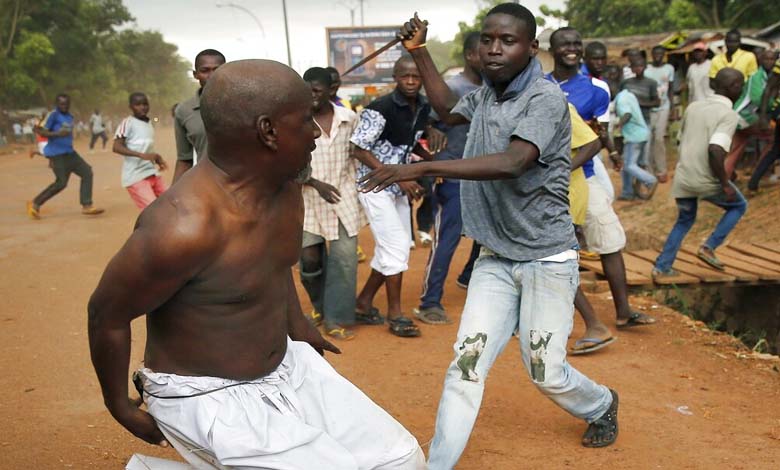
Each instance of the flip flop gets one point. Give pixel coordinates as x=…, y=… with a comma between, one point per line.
x=432, y=316
x=598, y=343
x=371, y=318
x=403, y=327
x=339, y=332
x=315, y=318
x=637, y=319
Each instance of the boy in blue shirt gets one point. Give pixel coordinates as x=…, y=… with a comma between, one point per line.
x=635, y=135
x=64, y=160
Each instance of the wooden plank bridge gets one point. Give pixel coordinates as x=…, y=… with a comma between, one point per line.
x=746, y=263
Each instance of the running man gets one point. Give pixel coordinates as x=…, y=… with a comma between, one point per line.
x=191, y=142
x=515, y=203
x=63, y=160
x=707, y=129
x=97, y=130
x=232, y=377
x=141, y=168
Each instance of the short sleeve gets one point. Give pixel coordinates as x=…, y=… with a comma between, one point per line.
x=670, y=68
x=601, y=105
x=776, y=68
x=370, y=126
x=714, y=67
x=581, y=133
x=122, y=129
x=751, y=67
x=50, y=121
x=542, y=125
x=184, y=149
x=620, y=107
x=653, y=89
x=468, y=104
x=724, y=130
x=353, y=122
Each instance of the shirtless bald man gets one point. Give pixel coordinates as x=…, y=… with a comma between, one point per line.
x=232, y=377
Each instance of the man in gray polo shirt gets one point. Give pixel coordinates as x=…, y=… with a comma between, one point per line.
x=191, y=144
x=516, y=206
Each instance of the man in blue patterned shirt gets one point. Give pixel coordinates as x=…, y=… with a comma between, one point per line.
x=388, y=131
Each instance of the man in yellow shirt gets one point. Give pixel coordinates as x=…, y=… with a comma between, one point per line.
x=734, y=57
x=582, y=139
x=585, y=144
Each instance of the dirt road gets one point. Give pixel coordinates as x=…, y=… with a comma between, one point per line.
x=687, y=399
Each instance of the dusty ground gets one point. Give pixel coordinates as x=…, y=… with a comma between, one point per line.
x=689, y=398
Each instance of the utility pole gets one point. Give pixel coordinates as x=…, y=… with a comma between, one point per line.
x=362, y=22
x=286, y=32
x=247, y=11
x=351, y=9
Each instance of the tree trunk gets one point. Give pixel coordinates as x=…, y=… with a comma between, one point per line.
x=14, y=20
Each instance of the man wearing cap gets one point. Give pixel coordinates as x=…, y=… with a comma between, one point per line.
x=698, y=76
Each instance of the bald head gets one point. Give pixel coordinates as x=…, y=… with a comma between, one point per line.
x=728, y=82
x=258, y=119
x=241, y=92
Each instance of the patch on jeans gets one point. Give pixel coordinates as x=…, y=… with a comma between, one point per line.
x=470, y=350
x=539, y=341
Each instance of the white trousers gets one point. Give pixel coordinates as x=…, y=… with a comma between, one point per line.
x=390, y=219
x=302, y=416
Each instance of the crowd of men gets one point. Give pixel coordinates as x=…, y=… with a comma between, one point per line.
x=512, y=158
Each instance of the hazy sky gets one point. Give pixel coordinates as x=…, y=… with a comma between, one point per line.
x=194, y=25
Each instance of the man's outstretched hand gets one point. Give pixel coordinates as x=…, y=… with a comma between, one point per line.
x=413, y=33
x=386, y=175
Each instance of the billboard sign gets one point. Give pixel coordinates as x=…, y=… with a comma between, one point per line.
x=347, y=46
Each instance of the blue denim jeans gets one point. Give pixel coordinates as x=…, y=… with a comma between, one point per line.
x=631, y=169
x=331, y=288
x=448, y=226
x=537, y=299
x=687, y=208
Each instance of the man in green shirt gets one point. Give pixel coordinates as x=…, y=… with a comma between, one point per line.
x=747, y=106
x=191, y=142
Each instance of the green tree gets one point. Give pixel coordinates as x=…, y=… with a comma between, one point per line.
x=441, y=52
x=625, y=17
x=465, y=28
x=74, y=46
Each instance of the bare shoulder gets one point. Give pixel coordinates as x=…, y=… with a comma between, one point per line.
x=181, y=227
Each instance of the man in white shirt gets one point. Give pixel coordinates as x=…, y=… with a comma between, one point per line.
x=707, y=130
x=698, y=78
x=663, y=73
x=97, y=129
x=17, y=132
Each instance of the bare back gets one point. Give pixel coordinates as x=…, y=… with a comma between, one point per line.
x=228, y=318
